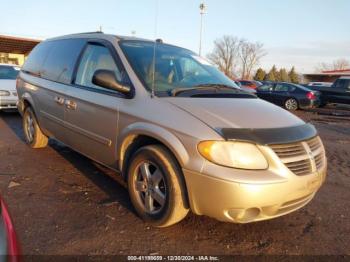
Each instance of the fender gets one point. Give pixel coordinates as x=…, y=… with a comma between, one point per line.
x=28, y=98
x=163, y=135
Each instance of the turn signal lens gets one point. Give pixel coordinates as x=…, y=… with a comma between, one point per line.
x=233, y=154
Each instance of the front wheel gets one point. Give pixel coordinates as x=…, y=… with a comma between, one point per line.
x=291, y=104
x=32, y=132
x=156, y=187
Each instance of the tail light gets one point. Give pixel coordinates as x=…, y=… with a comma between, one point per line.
x=311, y=96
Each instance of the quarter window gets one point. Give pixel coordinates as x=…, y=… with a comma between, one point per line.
x=36, y=58
x=95, y=57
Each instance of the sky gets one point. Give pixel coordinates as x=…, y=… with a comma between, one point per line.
x=302, y=33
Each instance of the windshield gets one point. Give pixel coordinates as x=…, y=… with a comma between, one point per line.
x=174, y=67
x=8, y=72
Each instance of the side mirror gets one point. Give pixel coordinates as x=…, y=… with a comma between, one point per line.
x=107, y=79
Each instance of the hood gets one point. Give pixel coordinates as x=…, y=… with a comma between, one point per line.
x=236, y=112
x=8, y=85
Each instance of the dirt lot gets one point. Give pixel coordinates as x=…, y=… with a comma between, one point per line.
x=62, y=203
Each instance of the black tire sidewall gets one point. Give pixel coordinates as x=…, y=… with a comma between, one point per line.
x=147, y=153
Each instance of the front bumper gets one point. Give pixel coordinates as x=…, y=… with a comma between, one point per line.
x=249, y=202
x=8, y=103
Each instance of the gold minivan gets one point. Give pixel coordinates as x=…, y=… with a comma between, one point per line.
x=182, y=134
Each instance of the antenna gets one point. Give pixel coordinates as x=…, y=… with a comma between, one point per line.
x=203, y=9
x=154, y=49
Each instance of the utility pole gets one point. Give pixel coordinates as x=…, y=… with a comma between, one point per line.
x=203, y=9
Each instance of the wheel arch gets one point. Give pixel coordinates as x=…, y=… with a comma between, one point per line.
x=145, y=134
x=139, y=135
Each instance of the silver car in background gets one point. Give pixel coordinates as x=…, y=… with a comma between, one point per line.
x=8, y=93
x=182, y=135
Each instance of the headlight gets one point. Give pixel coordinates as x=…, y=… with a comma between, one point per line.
x=233, y=154
x=4, y=93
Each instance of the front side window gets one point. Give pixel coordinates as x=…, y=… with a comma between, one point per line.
x=8, y=72
x=167, y=67
x=266, y=87
x=95, y=57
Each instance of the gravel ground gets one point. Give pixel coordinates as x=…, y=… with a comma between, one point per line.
x=63, y=203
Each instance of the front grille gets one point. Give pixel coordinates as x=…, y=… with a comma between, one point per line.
x=302, y=158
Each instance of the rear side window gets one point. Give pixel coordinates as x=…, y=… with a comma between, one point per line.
x=8, y=72
x=281, y=88
x=60, y=61
x=34, y=63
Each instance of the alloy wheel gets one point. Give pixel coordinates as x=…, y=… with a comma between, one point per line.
x=150, y=187
x=291, y=104
x=29, y=127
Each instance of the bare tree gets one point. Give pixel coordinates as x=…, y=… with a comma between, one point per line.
x=225, y=54
x=339, y=64
x=250, y=55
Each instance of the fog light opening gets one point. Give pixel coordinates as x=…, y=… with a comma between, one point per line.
x=244, y=215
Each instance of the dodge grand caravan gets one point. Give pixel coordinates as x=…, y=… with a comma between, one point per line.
x=182, y=135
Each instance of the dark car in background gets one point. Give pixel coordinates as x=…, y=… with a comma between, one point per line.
x=290, y=96
x=338, y=93
x=249, y=83
x=9, y=248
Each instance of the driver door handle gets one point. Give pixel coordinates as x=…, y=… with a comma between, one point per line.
x=59, y=100
x=71, y=104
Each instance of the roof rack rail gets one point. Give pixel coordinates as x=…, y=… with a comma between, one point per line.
x=93, y=32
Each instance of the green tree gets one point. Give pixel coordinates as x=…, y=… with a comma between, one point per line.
x=293, y=76
x=260, y=74
x=284, y=75
x=271, y=76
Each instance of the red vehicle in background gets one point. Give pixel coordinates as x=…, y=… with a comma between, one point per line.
x=250, y=83
x=9, y=248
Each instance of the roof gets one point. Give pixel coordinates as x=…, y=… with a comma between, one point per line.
x=98, y=35
x=17, y=45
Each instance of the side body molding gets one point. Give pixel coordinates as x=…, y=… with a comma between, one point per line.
x=129, y=133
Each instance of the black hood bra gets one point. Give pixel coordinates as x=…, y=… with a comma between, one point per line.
x=265, y=136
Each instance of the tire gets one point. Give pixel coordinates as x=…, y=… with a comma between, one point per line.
x=32, y=133
x=154, y=177
x=291, y=104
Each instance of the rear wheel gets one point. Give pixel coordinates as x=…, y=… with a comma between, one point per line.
x=291, y=104
x=32, y=132
x=155, y=186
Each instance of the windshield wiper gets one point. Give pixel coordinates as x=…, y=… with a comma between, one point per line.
x=216, y=87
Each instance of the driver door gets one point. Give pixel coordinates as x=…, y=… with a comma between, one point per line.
x=92, y=111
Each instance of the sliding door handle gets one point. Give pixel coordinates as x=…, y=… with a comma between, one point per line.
x=71, y=104
x=59, y=100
